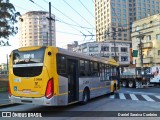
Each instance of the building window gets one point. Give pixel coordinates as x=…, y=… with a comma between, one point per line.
x=124, y=58
x=119, y=34
x=124, y=15
x=93, y=49
x=124, y=10
x=158, y=52
x=118, y=10
x=124, y=49
x=158, y=37
x=104, y=48
x=149, y=37
x=125, y=35
x=113, y=49
x=144, y=9
x=137, y=28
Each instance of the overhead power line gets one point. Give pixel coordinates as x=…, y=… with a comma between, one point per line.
x=65, y=15
x=77, y=13
x=54, y=19
x=86, y=8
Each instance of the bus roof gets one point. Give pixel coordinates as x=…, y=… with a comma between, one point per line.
x=110, y=61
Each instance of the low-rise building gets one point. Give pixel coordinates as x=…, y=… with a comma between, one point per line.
x=146, y=41
x=107, y=49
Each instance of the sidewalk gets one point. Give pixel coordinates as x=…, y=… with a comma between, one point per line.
x=4, y=100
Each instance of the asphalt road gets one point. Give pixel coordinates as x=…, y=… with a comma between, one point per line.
x=126, y=100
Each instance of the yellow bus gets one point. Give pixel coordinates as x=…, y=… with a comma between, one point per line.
x=54, y=76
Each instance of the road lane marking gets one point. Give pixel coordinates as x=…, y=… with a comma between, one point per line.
x=133, y=97
x=147, y=98
x=157, y=97
x=121, y=96
x=111, y=96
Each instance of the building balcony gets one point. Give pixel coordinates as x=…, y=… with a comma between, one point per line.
x=147, y=45
x=147, y=60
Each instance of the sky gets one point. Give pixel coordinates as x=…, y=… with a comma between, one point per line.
x=78, y=16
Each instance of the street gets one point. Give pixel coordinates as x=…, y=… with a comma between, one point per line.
x=127, y=99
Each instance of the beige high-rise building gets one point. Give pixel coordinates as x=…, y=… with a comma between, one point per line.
x=34, y=29
x=118, y=15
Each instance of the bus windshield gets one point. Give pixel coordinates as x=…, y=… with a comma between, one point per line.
x=27, y=57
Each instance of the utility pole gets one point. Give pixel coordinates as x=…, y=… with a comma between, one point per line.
x=50, y=25
x=47, y=38
x=115, y=46
x=141, y=36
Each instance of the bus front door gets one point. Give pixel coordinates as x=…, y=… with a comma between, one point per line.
x=72, y=68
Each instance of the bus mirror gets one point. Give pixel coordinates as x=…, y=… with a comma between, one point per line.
x=49, y=53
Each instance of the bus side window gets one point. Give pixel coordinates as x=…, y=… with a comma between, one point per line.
x=91, y=68
x=87, y=70
x=82, y=68
x=95, y=69
x=61, y=65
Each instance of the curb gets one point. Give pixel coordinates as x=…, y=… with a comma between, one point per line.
x=7, y=105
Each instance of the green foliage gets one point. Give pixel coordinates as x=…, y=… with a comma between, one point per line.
x=8, y=17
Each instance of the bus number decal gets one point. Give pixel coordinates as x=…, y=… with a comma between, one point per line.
x=37, y=79
x=36, y=85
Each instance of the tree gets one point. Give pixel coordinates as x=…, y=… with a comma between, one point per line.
x=8, y=17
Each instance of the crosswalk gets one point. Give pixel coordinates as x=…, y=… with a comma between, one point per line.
x=140, y=97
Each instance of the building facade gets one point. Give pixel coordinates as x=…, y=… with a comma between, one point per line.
x=146, y=40
x=71, y=47
x=34, y=29
x=107, y=50
x=118, y=15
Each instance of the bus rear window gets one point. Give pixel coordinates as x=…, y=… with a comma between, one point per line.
x=27, y=57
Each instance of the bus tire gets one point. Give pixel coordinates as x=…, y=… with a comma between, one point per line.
x=124, y=83
x=131, y=84
x=85, y=97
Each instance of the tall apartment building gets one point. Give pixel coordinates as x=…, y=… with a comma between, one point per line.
x=34, y=29
x=118, y=15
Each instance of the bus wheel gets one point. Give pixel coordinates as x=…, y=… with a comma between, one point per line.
x=85, y=96
x=124, y=83
x=131, y=83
